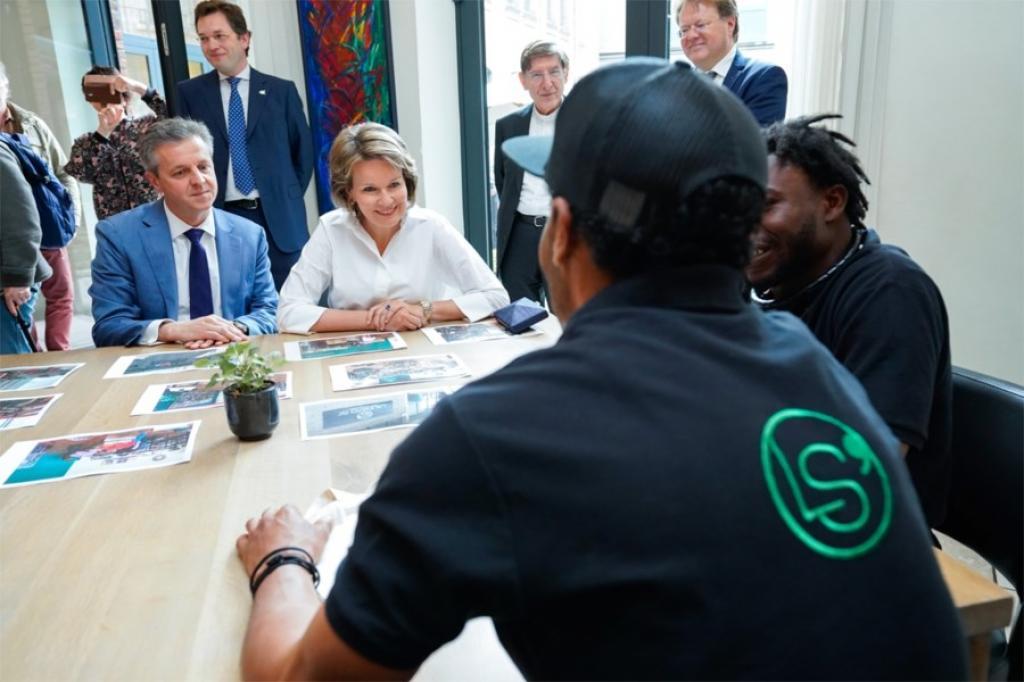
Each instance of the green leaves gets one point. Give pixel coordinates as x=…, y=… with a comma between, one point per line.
x=241, y=368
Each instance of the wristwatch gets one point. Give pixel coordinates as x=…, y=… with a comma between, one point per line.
x=428, y=310
x=242, y=327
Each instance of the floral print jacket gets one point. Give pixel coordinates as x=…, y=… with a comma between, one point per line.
x=113, y=166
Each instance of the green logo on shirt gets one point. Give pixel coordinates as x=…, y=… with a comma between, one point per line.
x=826, y=482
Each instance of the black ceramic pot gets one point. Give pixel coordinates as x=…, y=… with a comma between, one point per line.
x=252, y=416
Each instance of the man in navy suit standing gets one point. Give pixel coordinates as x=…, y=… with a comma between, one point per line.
x=524, y=198
x=708, y=31
x=262, y=150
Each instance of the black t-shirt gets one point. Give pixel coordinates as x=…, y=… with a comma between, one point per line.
x=682, y=487
x=884, y=319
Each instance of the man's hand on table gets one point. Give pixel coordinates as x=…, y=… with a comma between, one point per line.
x=284, y=527
x=201, y=332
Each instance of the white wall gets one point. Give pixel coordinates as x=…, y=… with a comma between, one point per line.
x=941, y=129
x=427, y=100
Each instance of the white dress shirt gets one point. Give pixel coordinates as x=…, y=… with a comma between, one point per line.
x=427, y=259
x=182, y=248
x=231, y=192
x=721, y=69
x=534, y=197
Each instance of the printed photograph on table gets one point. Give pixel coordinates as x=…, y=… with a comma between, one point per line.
x=88, y=454
x=340, y=346
x=465, y=333
x=19, y=413
x=329, y=418
x=390, y=371
x=158, y=363
x=195, y=395
x=35, y=378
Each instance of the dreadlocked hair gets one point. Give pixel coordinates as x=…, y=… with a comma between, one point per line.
x=818, y=152
x=712, y=226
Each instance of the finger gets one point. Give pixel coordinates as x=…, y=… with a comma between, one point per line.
x=241, y=543
x=250, y=525
x=324, y=525
x=12, y=307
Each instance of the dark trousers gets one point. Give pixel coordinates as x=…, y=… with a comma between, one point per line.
x=520, y=271
x=281, y=262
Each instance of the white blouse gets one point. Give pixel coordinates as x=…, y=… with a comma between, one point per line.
x=427, y=259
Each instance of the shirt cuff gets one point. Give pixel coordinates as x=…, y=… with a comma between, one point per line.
x=474, y=306
x=298, y=319
x=149, y=337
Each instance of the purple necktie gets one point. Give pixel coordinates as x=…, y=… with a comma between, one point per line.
x=199, y=293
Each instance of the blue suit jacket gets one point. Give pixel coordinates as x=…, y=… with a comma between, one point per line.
x=133, y=279
x=761, y=86
x=279, y=143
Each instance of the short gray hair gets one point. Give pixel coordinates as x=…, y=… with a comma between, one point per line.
x=542, y=48
x=170, y=130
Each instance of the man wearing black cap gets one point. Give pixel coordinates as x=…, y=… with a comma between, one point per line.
x=682, y=487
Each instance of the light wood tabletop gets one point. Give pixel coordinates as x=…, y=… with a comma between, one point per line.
x=134, y=576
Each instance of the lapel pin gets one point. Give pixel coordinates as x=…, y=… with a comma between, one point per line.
x=263, y=92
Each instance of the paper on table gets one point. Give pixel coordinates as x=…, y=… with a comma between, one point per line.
x=18, y=413
x=445, y=334
x=343, y=509
x=159, y=363
x=408, y=369
x=36, y=377
x=339, y=346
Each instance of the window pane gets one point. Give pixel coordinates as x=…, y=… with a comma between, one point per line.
x=135, y=35
x=137, y=67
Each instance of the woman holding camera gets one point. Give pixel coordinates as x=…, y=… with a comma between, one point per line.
x=107, y=158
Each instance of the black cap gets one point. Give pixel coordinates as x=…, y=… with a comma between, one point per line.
x=642, y=129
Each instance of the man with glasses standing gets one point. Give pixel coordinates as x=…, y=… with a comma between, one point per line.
x=263, y=149
x=524, y=198
x=708, y=32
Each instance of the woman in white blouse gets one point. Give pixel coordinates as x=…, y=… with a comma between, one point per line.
x=385, y=263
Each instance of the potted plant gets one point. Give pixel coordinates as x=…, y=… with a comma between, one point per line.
x=250, y=397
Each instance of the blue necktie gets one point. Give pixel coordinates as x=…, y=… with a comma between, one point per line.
x=199, y=293
x=236, y=141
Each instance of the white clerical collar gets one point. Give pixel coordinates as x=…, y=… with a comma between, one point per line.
x=243, y=74
x=721, y=69
x=179, y=227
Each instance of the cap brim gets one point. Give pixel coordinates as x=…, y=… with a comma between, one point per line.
x=529, y=152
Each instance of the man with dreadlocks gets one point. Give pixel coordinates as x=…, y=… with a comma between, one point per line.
x=878, y=312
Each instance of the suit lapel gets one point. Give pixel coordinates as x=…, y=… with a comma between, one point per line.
x=228, y=242
x=738, y=64
x=211, y=92
x=156, y=242
x=257, y=100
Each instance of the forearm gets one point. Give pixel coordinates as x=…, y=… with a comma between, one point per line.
x=281, y=613
x=342, y=321
x=446, y=311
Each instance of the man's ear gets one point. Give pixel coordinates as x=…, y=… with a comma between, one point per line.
x=835, y=198
x=154, y=180
x=563, y=239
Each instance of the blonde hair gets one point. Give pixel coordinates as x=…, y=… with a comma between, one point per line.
x=364, y=142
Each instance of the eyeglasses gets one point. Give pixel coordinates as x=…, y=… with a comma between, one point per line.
x=700, y=27
x=555, y=74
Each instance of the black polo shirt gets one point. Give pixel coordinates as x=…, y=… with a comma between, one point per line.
x=682, y=487
x=883, y=317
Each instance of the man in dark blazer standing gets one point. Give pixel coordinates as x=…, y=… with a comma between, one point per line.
x=524, y=198
x=708, y=31
x=263, y=149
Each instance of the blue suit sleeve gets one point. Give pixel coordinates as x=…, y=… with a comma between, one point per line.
x=766, y=99
x=300, y=138
x=115, y=306
x=261, y=317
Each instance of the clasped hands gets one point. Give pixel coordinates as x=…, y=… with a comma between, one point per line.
x=396, y=316
x=202, y=332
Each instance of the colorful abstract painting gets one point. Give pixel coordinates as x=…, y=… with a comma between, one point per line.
x=348, y=73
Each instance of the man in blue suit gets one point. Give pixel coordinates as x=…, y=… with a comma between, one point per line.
x=262, y=150
x=178, y=270
x=708, y=31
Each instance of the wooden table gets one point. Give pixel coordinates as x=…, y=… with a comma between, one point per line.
x=134, y=576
